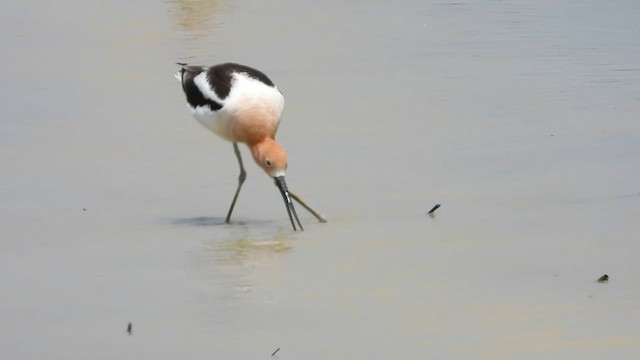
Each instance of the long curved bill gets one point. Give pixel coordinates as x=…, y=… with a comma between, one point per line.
x=282, y=186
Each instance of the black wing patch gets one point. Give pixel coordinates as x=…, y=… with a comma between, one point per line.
x=195, y=97
x=220, y=77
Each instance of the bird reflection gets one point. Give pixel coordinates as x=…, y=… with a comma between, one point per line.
x=256, y=253
x=194, y=16
x=243, y=260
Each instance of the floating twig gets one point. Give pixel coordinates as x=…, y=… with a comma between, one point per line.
x=275, y=352
x=318, y=216
x=430, y=213
x=129, y=329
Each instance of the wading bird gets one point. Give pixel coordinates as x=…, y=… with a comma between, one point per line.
x=242, y=105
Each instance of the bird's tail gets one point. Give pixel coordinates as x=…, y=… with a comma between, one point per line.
x=180, y=73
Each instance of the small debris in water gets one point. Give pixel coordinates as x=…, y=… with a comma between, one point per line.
x=275, y=352
x=604, y=279
x=84, y=209
x=129, y=329
x=430, y=213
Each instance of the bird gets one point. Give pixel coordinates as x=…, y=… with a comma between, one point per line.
x=242, y=105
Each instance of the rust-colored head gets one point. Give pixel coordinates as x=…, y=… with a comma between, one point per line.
x=270, y=156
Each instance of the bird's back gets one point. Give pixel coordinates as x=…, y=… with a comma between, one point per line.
x=237, y=102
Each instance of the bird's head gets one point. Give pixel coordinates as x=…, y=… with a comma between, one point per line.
x=270, y=156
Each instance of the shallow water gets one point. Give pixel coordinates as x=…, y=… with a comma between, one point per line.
x=520, y=118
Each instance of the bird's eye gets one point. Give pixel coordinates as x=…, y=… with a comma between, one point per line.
x=267, y=162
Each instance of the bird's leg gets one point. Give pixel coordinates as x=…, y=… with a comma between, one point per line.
x=241, y=179
x=318, y=216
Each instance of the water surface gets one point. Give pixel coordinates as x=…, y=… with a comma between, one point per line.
x=520, y=118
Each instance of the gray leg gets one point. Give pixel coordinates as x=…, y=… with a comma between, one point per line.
x=241, y=179
x=318, y=216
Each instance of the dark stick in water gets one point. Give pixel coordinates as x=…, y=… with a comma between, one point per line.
x=434, y=209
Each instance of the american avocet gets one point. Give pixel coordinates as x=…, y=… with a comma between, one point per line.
x=242, y=105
